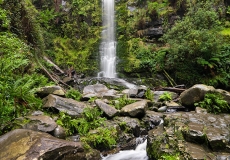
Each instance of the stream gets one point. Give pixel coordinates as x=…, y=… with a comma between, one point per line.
x=138, y=154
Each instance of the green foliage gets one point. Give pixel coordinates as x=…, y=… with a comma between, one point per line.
x=23, y=23
x=195, y=41
x=102, y=138
x=74, y=94
x=149, y=95
x=160, y=8
x=46, y=17
x=4, y=20
x=65, y=121
x=166, y=96
x=214, y=103
x=170, y=157
x=17, y=85
x=91, y=120
x=122, y=101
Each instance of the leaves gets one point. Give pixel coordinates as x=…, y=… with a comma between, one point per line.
x=214, y=103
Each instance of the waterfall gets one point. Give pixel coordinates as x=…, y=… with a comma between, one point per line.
x=108, y=44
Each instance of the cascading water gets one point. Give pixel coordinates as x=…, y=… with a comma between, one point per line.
x=138, y=154
x=108, y=44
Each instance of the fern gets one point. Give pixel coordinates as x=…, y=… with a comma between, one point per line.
x=74, y=94
x=214, y=103
x=166, y=96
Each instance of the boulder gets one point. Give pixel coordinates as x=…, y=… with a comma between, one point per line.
x=40, y=123
x=108, y=110
x=152, y=119
x=26, y=144
x=194, y=94
x=59, y=132
x=55, y=90
x=69, y=106
x=131, y=125
x=136, y=109
x=98, y=90
x=225, y=94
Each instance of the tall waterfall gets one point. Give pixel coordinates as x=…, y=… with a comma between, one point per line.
x=108, y=44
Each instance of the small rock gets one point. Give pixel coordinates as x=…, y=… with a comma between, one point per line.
x=162, y=109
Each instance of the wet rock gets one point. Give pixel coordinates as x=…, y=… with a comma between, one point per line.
x=40, y=123
x=74, y=138
x=136, y=109
x=113, y=83
x=194, y=94
x=36, y=113
x=152, y=119
x=225, y=94
x=194, y=132
x=108, y=110
x=59, y=132
x=195, y=151
x=131, y=125
x=201, y=110
x=162, y=109
x=69, y=106
x=131, y=144
x=217, y=139
x=133, y=92
x=55, y=90
x=29, y=145
x=98, y=90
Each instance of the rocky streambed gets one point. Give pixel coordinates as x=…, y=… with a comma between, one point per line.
x=174, y=128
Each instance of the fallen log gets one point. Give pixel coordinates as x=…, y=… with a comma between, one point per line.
x=54, y=65
x=173, y=89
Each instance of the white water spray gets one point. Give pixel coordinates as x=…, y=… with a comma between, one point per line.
x=108, y=45
x=138, y=154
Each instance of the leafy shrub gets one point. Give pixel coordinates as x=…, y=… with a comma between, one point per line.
x=170, y=157
x=122, y=101
x=91, y=120
x=74, y=94
x=195, y=41
x=17, y=86
x=166, y=96
x=149, y=95
x=102, y=138
x=214, y=103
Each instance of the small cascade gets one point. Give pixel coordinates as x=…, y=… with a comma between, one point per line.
x=138, y=154
x=108, y=44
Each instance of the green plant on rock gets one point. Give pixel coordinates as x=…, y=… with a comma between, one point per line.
x=214, y=103
x=149, y=95
x=166, y=96
x=170, y=157
x=101, y=138
x=90, y=128
x=74, y=94
x=91, y=119
x=122, y=101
